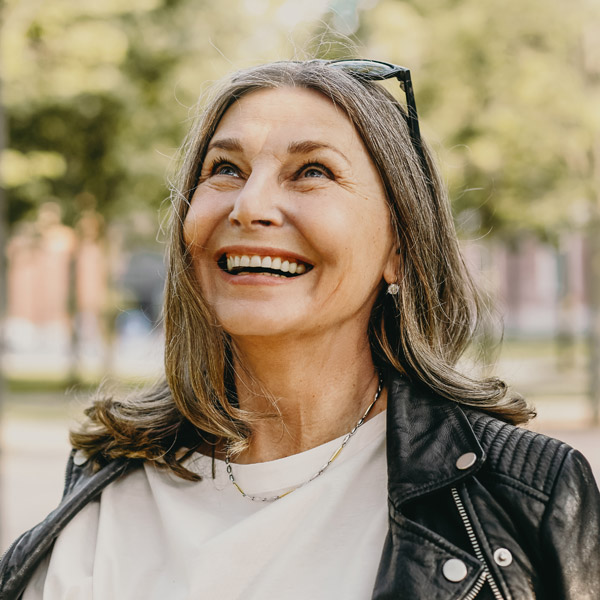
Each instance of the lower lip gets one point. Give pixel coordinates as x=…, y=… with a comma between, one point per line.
x=256, y=279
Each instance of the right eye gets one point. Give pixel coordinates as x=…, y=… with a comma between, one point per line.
x=221, y=167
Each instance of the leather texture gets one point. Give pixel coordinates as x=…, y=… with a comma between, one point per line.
x=525, y=492
x=524, y=496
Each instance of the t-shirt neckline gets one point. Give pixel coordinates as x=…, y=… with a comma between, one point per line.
x=290, y=471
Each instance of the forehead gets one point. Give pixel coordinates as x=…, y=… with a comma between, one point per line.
x=297, y=112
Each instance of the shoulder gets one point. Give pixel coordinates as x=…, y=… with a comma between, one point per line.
x=548, y=489
x=532, y=461
x=82, y=474
x=423, y=426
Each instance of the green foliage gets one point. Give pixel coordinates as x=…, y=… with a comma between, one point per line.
x=98, y=95
x=501, y=88
x=80, y=130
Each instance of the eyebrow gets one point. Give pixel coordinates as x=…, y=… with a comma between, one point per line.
x=307, y=146
x=302, y=147
x=231, y=144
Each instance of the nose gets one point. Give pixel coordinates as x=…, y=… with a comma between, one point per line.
x=257, y=203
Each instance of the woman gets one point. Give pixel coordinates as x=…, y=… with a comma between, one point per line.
x=313, y=438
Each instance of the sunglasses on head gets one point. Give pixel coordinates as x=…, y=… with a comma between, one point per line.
x=375, y=70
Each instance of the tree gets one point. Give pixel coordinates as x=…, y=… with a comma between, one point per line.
x=511, y=91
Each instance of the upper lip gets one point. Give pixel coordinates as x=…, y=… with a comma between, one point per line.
x=250, y=251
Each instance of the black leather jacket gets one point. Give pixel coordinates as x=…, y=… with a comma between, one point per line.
x=477, y=509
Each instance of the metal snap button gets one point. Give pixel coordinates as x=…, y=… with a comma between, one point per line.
x=466, y=460
x=503, y=557
x=454, y=570
x=79, y=458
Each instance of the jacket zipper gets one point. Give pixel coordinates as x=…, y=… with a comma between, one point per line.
x=477, y=587
x=478, y=553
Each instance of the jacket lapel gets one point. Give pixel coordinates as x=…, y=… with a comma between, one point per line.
x=426, y=437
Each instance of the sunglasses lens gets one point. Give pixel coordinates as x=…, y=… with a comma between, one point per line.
x=369, y=70
x=364, y=68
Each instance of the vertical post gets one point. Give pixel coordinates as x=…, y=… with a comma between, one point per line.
x=590, y=68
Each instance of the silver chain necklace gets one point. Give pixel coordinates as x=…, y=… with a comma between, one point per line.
x=319, y=472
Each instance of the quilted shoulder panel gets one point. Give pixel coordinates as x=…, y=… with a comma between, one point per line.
x=531, y=458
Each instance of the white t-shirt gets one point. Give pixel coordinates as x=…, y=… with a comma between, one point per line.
x=154, y=536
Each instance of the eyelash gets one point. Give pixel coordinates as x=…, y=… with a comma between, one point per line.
x=315, y=165
x=221, y=161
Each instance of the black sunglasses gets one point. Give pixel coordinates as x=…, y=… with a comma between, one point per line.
x=375, y=70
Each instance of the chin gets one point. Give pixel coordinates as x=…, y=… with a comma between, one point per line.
x=257, y=324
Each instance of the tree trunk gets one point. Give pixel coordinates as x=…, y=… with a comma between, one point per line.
x=590, y=57
x=594, y=287
x=565, y=332
x=594, y=336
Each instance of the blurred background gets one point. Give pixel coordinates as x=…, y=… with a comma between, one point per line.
x=98, y=94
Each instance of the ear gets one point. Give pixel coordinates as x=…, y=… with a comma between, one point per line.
x=393, y=266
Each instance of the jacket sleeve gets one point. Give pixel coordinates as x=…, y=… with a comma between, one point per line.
x=570, y=532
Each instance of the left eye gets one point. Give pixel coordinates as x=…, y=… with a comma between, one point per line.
x=315, y=170
x=312, y=172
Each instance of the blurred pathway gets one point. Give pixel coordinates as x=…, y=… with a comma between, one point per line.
x=34, y=454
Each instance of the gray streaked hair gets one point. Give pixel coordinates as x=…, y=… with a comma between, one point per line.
x=421, y=332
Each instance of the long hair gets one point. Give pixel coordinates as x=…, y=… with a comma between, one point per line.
x=421, y=332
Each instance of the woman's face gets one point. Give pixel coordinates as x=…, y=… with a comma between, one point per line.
x=288, y=228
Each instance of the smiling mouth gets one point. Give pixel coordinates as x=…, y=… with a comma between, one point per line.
x=243, y=264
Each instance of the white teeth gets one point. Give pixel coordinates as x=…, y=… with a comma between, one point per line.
x=266, y=262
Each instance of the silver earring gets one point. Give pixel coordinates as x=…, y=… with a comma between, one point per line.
x=393, y=289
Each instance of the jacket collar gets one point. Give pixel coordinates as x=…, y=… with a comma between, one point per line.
x=426, y=436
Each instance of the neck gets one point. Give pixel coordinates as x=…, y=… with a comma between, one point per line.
x=317, y=388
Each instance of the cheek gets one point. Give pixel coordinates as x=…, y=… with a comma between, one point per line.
x=358, y=233
x=327, y=232
x=195, y=237
x=368, y=248
x=189, y=232
x=197, y=226
x=192, y=222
